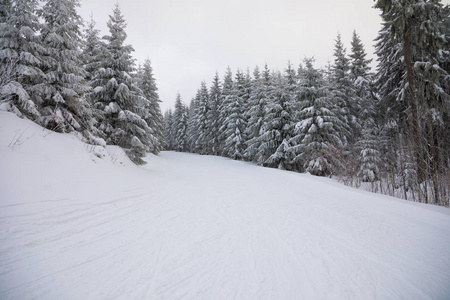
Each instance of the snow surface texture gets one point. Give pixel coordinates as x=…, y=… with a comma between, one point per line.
x=79, y=222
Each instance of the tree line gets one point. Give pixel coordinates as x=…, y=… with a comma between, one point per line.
x=388, y=130
x=65, y=77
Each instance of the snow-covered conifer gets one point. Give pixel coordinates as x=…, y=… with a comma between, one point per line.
x=235, y=121
x=20, y=58
x=64, y=106
x=203, y=143
x=180, y=125
x=117, y=95
x=215, y=98
x=317, y=134
x=153, y=115
x=257, y=112
x=278, y=126
x=227, y=94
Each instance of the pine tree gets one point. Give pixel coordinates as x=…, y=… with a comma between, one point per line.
x=64, y=106
x=20, y=58
x=117, y=95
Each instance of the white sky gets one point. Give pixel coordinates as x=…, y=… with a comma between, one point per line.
x=189, y=40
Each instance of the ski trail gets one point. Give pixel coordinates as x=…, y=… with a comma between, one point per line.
x=199, y=227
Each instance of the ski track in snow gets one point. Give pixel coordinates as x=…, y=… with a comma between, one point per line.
x=200, y=227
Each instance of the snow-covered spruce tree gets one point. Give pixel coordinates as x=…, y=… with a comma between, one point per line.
x=20, y=64
x=192, y=132
x=369, y=155
x=202, y=143
x=180, y=123
x=235, y=121
x=153, y=116
x=317, y=134
x=169, y=139
x=258, y=100
x=64, y=106
x=282, y=115
x=414, y=40
x=255, y=115
x=344, y=94
x=276, y=130
x=367, y=146
x=226, y=98
x=215, y=98
x=93, y=49
x=118, y=96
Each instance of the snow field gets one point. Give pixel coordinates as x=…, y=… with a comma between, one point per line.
x=82, y=222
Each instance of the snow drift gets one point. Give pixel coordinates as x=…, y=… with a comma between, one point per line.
x=82, y=222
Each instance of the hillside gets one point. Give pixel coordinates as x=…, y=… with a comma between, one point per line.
x=83, y=222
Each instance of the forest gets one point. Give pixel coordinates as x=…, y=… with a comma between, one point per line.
x=385, y=129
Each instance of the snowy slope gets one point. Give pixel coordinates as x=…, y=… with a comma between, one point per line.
x=79, y=222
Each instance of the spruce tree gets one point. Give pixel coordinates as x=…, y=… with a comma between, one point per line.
x=20, y=58
x=257, y=114
x=203, y=143
x=344, y=94
x=226, y=99
x=64, y=106
x=153, y=115
x=317, y=136
x=215, y=98
x=169, y=139
x=413, y=86
x=235, y=121
x=118, y=96
x=180, y=123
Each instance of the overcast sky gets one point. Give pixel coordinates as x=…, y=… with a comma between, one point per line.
x=189, y=40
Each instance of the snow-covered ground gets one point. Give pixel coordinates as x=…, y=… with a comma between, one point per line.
x=81, y=222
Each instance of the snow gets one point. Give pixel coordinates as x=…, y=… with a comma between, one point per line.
x=82, y=222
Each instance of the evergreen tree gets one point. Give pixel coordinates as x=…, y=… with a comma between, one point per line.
x=259, y=97
x=117, y=95
x=64, y=106
x=203, y=143
x=215, y=97
x=317, y=136
x=20, y=58
x=285, y=96
x=343, y=93
x=359, y=65
x=169, y=139
x=180, y=121
x=226, y=99
x=413, y=86
x=192, y=132
x=93, y=49
x=235, y=122
x=153, y=115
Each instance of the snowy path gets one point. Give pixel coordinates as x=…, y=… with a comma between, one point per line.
x=198, y=227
